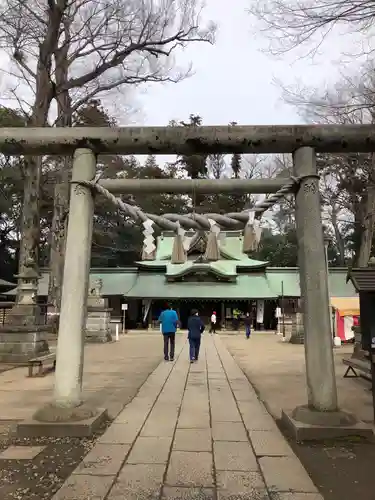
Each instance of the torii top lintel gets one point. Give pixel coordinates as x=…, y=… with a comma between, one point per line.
x=188, y=140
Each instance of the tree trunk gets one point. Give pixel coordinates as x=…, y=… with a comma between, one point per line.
x=58, y=236
x=340, y=245
x=62, y=188
x=368, y=228
x=30, y=225
x=44, y=93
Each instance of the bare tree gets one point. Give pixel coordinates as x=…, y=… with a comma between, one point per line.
x=216, y=166
x=347, y=180
x=292, y=23
x=71, y=51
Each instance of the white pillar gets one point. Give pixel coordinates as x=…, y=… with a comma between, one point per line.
x=70, y=343
x=320, y=369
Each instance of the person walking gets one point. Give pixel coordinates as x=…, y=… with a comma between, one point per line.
x=247, y=322
x=213, y=322
x=168, y=322
x=195, y=330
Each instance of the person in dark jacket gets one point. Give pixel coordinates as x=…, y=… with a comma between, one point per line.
x=247, y=322
x=195, y=330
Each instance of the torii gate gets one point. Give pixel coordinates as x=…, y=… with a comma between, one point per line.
x=86, y=143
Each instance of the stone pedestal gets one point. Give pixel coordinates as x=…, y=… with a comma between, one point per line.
x=98, y=328
x=18, y=344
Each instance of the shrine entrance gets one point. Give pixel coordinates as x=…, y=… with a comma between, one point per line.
x=86, y=143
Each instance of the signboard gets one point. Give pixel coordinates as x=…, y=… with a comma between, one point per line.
x=260, y=311
x=124, y=307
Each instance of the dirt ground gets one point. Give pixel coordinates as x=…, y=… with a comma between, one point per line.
x=342, y=470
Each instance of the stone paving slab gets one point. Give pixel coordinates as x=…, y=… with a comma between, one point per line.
x=188, y=493
x=240, y=485
x=138, y=482
x=190, y=468
x=103, y=460
x=192, y=440
x=269, y=443
x=150, y=450
x=79, y=487
x=286, y=474
x=194, y=431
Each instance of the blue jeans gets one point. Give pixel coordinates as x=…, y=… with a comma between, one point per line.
x=194, y=348
x=248, y=331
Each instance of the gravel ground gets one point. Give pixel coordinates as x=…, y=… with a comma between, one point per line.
x=342, y=470
x=42, y=476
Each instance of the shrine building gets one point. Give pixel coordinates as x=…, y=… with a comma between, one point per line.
x=231, y=285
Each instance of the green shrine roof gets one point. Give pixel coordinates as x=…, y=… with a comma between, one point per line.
x=131, y=283
x=233, y=276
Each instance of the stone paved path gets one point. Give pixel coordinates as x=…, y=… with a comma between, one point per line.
x=192, y=432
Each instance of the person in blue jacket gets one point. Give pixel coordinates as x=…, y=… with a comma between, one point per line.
x=195, y=330
x=168, y=320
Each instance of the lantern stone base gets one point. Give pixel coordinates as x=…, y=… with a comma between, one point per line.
x=20, y=343
x=298, y=334
x=305, y=424
x=98, y=326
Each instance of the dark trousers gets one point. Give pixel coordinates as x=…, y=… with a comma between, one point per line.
x=194, y=348
x=169, y=343
x=248, y=331
x=213, y=327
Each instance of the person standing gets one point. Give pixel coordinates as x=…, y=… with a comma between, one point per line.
x=195, y=330
x=213, y=322
x=169, y=321
x=247, y=322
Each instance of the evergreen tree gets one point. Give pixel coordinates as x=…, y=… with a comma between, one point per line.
x=235, y=164
x=194, y=165
x=151, y=164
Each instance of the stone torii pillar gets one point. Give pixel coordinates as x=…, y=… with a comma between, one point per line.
x=67, y=410
x=320, y=418
x=70, y=343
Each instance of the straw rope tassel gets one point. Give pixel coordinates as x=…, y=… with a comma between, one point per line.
x=212, y=247
x=250, y=243
x=178, y=250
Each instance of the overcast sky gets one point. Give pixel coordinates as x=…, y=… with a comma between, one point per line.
x=234, y=80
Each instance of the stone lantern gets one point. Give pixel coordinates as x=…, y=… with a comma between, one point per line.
x=24, y=336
